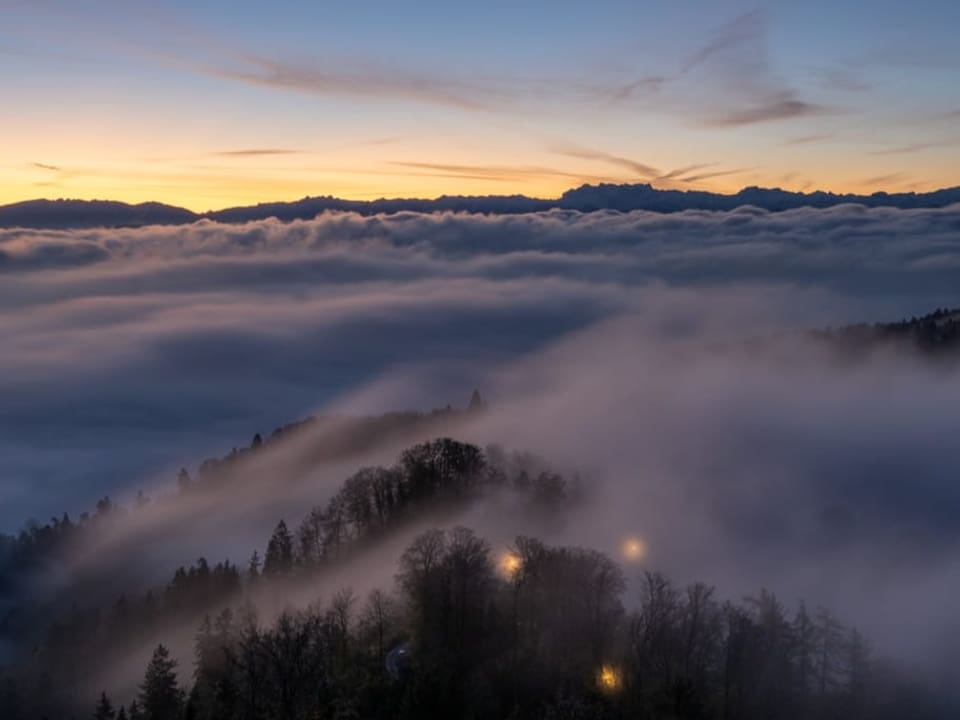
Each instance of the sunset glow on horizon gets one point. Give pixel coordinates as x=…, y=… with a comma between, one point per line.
x=479, y=359
x=219, y=104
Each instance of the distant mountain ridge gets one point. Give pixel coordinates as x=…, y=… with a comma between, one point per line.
x=91, y=213
x=586, y=198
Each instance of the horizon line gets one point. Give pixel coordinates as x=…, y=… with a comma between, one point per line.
x=491, y=196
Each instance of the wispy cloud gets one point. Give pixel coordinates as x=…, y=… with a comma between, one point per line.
x=685, y=174
x=888, y=179
x=743, y=30
x=910, y=148
x=681, y=171
x=576, y=151
x=844, y=78
x=735, y=68
x=44, y=166
x=727, y=81
x=382, y=82
x=707, y=176
x=254, y=152
x=651, y=84
x=493, y=172
x=784, y=108
x=809, y=139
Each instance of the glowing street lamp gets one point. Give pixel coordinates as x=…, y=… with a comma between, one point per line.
x=633, y=549
x=510, y=564
x=609, y=678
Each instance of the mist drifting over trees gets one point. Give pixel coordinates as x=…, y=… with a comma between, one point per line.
x=699, y=478
x=479, y=360
x=461, y=629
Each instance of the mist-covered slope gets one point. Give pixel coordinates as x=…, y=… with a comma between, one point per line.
x=379, y=603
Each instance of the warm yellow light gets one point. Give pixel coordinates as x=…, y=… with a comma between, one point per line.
x=633, y=549
x=609, y=678
x=510, y=564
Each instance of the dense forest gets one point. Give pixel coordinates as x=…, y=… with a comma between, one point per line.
x=463, y=628
x=531, y=631
x=540, y=633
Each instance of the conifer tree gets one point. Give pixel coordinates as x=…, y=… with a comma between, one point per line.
x=135, y=712
x=279, y=557
x=253, y=567
x=160, y=697
x=104, y=709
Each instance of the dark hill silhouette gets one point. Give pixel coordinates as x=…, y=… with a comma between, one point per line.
x=91, y=213
x=646, y=197
x=586, y=198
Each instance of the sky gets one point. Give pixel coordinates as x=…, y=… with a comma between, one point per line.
x=212, y=104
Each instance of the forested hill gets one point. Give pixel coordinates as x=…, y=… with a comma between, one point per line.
x=586, y=198
x=936, y=334
x=457, y=628
x=534, y=632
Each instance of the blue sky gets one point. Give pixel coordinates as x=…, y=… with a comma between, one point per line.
x=135, y=101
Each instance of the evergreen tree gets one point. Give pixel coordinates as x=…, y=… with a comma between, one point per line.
x=135, y=712
x=477, y=403
x=253, y=567
x=159, y=695
x=104, y=709
x=279, y=557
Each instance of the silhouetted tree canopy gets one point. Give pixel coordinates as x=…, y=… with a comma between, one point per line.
x=467, y=630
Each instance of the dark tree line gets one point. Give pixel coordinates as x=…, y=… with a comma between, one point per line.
x=935, y=334
x=39, y=545
x=533, y=632
x=542, y=632
x=374, y=500
x=440, y=474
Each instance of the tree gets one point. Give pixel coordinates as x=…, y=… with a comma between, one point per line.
x=310, y=538
x=805, y=649
x=335, y=530
x=469, y=574
x=377, y=620
x=135, y=712
x=160, y=697
x=253, y=567
x=830, y=636
x=279, y=557
x=104, y=709
x=856, y=671
x=773, y=646
x=105, y=506
x=477, y=403
x=357, y=493
x=339, y=617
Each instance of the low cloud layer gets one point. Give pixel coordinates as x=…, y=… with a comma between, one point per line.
x=131, y=351
x=620, y=344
